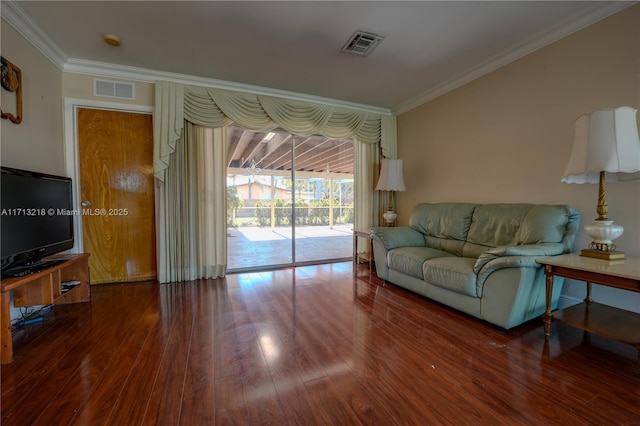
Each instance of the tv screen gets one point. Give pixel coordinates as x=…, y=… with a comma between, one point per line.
x=36, y=216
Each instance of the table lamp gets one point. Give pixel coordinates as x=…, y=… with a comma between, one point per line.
x=606, y=146
x=390, y=180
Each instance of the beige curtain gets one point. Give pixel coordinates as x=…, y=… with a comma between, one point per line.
x=367, y=158
x=177, y=104
x=191, y=207
x=216, y=108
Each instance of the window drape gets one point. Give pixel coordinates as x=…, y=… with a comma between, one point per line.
x=191, y=212
x=211, y=107
x=367, y=200
x=215, y=108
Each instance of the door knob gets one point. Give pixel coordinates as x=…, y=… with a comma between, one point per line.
x=86, y=203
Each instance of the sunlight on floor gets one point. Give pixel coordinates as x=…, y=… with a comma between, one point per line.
x=250, y=247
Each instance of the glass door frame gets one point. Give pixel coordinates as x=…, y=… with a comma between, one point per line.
x=294, y=260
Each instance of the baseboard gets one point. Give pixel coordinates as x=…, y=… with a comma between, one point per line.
x=566, y=301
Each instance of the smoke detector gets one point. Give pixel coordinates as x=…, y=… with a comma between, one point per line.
x=362, y=43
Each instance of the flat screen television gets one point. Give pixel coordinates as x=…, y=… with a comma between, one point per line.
x=36, y=218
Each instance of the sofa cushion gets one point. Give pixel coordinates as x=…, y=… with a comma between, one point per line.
x=444, y=225
x=452, y=273
x=496, y=224
x=501, y=225
x=400, y=236
x=544, y=224
x=409, y=260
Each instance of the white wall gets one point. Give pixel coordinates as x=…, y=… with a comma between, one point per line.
x=507, y=136
x=36, y=143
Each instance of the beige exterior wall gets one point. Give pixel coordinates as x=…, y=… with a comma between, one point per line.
x=36, y=143
x=507, y=137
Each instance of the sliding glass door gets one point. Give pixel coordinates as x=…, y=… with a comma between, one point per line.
x=324, y=202
x=259, y=215
x=289, y=199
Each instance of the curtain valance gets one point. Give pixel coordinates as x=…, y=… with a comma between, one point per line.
x=212, y=107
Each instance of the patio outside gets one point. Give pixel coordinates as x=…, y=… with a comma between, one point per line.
x=263, y=220
x=260, y=246
x=284, y=192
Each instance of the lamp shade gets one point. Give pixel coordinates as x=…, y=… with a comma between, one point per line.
x=605, y=140
x=391, y=176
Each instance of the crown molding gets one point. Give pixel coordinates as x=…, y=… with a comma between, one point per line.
x=25, y=26
x=595, y=14
x=102, y=69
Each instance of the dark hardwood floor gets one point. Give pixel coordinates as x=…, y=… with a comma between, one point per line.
x=305, y=346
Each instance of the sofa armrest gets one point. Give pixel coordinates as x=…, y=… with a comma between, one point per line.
x=401, y=236
x=525, y=250
x=502, y=263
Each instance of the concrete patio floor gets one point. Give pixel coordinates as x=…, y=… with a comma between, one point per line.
x=259, y=246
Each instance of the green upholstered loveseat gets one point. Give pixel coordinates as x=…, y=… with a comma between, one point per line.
x=479, y=259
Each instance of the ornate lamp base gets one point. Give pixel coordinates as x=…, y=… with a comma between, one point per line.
x=603, y=232
x=390, y=217
x=599, y=254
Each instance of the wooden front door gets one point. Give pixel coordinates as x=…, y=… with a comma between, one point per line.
x=116, y=186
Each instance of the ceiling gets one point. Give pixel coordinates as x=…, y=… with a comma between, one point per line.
x=293, y=48
x=270, y=153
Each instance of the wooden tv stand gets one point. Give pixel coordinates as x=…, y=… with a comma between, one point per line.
x=43, y=288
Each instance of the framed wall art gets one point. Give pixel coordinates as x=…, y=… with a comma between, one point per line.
x=11, y=80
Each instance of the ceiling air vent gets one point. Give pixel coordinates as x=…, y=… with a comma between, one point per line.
x=362, y=43
x=113, y=89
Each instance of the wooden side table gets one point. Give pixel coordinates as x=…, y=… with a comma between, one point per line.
x=362, y=257
x=42, y=288
x=607, y=321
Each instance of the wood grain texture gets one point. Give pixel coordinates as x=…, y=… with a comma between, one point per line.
x=307, y=346
x=116, y=177
x=43, y=288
